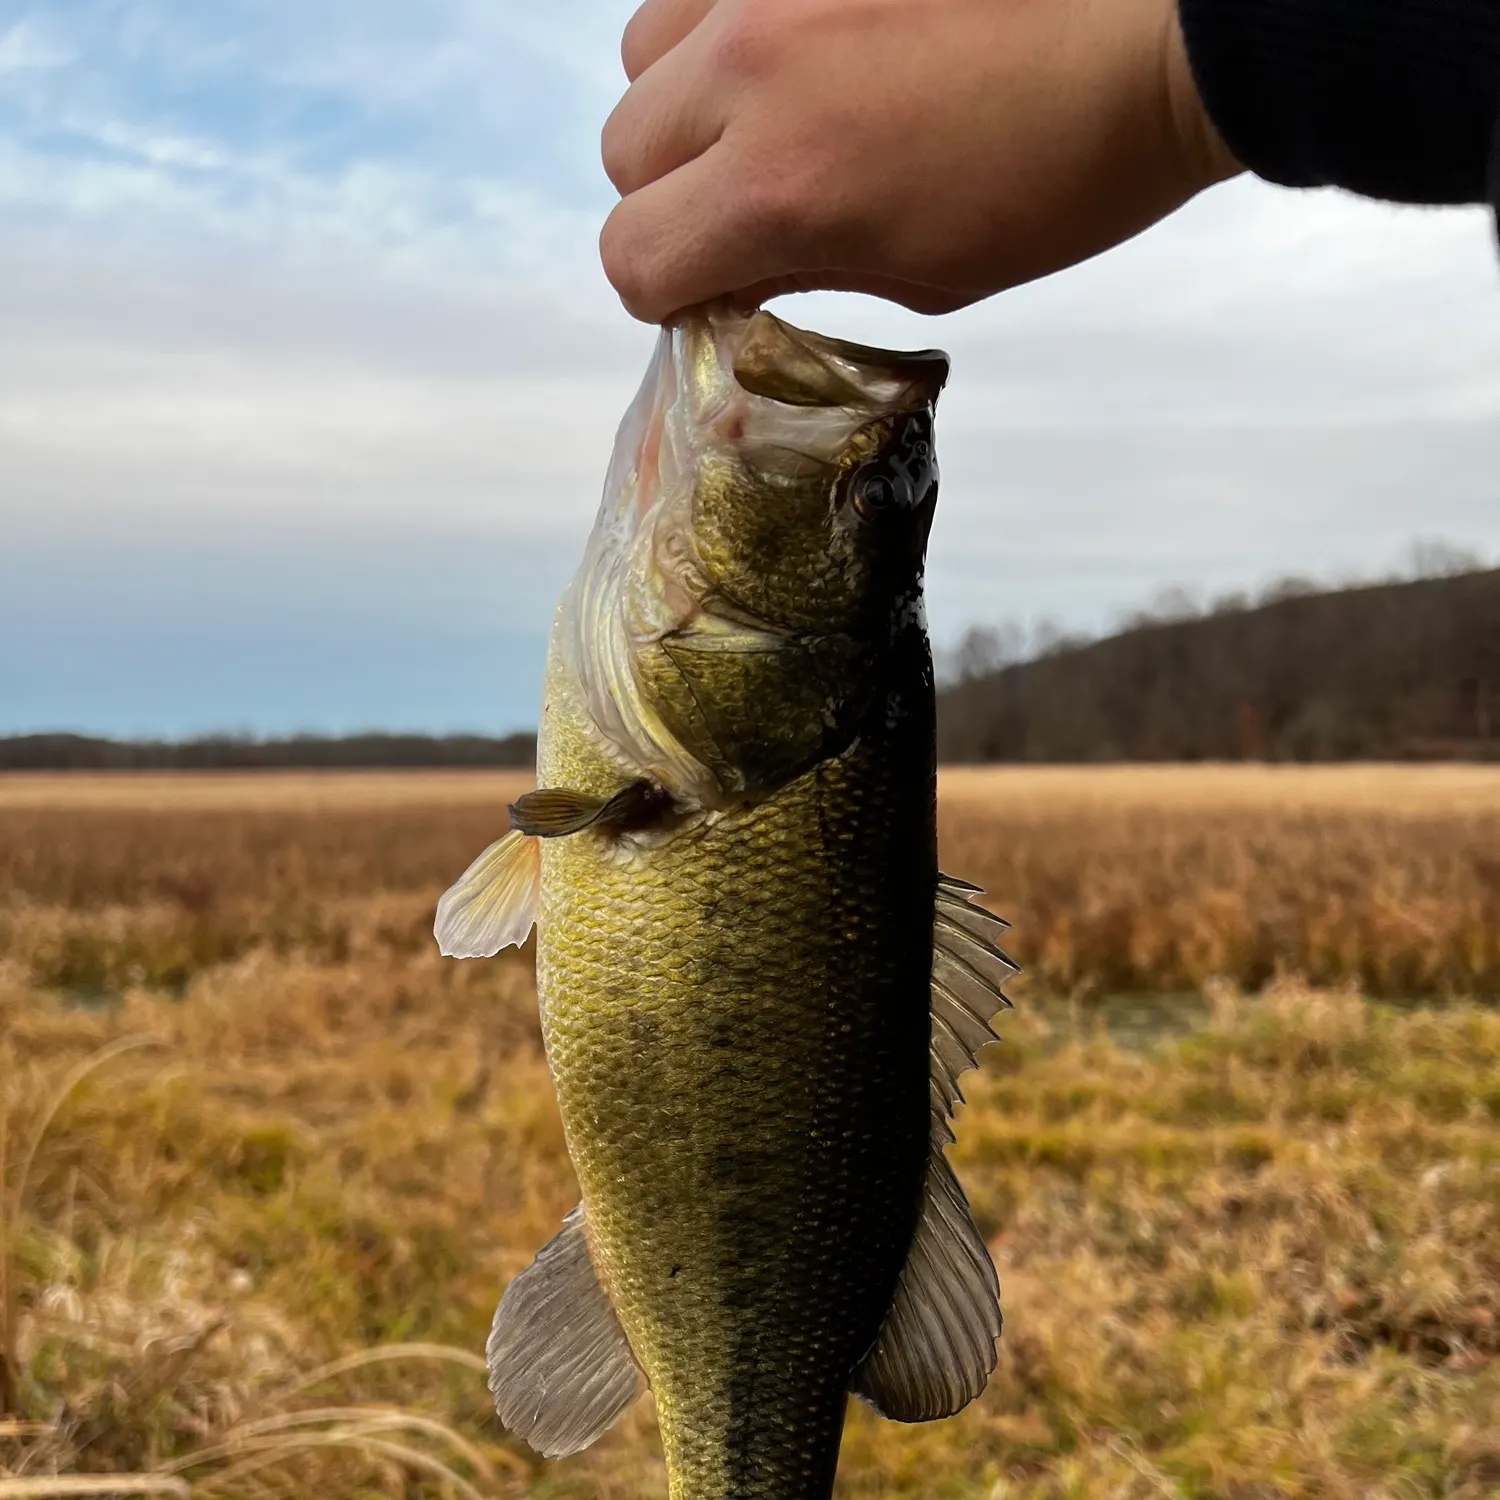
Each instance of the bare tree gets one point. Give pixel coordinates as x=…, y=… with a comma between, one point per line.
x=1431, y=557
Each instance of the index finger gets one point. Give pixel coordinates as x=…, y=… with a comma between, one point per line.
x=686, y=238
x=657, y=27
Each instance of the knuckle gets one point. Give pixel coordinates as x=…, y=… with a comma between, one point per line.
x=786, y=204
x=617, y=150
x=752, y=37
x=652, y=31
x=623, y=263
x=614, y=253
x=633, y=46
x=770, y=207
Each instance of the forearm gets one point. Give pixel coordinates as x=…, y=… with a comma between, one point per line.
x=1396, y=99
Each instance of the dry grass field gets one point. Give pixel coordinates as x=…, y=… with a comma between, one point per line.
x=268, y=1160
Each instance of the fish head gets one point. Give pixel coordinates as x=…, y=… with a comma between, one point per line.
x=759, y=553
x=815, y=478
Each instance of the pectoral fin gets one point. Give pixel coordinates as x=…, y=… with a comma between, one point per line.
x=560, y=1368
x=494, y=903
x=936, y=1348
x=556, y=812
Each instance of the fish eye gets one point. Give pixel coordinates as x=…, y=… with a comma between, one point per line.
x=879, y=490
x=900, y=477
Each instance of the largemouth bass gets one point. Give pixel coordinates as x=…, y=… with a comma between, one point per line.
x=757, y=991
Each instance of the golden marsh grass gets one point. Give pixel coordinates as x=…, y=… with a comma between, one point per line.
x=257, y=1257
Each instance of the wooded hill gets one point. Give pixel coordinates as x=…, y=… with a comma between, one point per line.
x=1392, y=671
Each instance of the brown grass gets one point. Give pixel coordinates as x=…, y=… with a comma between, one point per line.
x=258, y=1256
x=1148, y=879
x=1128, y=880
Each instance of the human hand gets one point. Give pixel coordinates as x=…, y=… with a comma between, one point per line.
x=929, y=151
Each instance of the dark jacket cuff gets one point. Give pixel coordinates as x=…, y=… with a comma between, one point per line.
x=1395, y=99
x=1494, y=193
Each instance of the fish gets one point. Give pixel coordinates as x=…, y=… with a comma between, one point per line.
x=757, y=990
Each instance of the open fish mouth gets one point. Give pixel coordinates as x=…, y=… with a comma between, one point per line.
x=721, y=379
x=773, y=359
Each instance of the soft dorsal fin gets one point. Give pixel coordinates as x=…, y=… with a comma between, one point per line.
x=936, y=1348
x=969, y=971
x=493, y=904
x=560, y=1368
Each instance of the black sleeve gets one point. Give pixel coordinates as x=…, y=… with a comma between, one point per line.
x=1395, y=99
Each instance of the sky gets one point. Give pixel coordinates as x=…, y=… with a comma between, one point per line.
x=309, y=375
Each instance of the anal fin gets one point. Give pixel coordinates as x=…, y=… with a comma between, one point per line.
x=560, y=1368
x=936, y=1349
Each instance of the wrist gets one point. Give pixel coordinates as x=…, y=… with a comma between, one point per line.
x=1205, y=157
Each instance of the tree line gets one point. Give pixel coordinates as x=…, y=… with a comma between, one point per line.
x=73, y=752
x=1407, y=670
x=1397, y=670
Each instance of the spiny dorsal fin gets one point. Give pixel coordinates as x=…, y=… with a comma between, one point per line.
x=936, y=1348
x=968, y=973
x=560, y=1368
x=493, y=904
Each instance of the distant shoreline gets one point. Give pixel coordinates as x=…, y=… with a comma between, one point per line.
x=69, y=753
x=967, y=794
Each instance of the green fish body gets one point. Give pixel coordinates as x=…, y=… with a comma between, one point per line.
x=756, y=989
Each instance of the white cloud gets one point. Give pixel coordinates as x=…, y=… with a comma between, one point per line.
x=26, y=47
x=170, y=151
x=316, y=286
